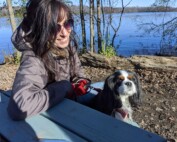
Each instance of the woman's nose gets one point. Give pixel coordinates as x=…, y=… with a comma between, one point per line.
x=63, y=31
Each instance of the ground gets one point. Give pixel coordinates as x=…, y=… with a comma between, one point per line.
x=158, y=112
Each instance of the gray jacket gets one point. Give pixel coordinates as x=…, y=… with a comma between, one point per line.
x=31, y=92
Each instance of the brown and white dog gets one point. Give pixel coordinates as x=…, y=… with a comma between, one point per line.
x=121, y=91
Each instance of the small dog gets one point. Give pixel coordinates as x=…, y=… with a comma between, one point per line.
x=121, y=91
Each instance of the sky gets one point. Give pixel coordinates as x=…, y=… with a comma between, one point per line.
x=133, y=2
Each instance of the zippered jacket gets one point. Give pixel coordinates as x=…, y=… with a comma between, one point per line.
x=32, y=91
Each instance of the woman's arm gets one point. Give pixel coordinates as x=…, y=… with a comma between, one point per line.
x=31, y=93
x=77, y=67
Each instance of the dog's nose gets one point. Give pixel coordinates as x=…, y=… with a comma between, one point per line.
x=129, y=84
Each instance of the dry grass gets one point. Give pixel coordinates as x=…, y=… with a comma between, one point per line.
x=7, y=75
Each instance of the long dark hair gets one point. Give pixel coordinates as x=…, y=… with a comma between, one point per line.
x=40, y=23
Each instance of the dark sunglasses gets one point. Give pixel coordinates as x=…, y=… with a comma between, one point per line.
x=67, y=25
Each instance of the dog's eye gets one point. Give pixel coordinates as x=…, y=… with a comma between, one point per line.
x=130, y=77
x=121, y=77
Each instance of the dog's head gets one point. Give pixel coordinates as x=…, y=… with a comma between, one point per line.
x=122, y=84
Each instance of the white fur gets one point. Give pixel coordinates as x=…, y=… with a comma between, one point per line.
x=125, y=92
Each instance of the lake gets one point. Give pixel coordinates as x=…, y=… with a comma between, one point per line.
x=131, y=39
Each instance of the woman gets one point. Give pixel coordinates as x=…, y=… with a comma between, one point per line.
x=49, y=60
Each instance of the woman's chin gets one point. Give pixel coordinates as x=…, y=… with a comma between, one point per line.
x=62, y=45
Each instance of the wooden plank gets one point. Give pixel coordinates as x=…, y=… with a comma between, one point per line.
x=6, y=93
x=32, y=129
x=96, y=126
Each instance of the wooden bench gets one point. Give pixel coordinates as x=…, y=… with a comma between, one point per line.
x=72, y=122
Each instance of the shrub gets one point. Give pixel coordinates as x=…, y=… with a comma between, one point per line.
x=109, y=51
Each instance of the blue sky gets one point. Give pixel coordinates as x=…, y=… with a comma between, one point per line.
x=133, y=2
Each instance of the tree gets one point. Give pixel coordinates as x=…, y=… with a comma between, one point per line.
x=99, y=26
x=20, y=12
x=167, y=29
x=92, y=26
x=116, y=29
x=17, y=54
x=11, y=15
x=84, y=44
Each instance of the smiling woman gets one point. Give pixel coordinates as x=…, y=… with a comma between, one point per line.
x=63, y=33
x=49, y=58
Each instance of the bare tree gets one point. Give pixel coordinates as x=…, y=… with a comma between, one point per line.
x=11, y=15
x=17, y=54
x=116, y=29
x=103, y=17
x=84, y=44
x=92, y=26
x=167, y=29
x=99, y=26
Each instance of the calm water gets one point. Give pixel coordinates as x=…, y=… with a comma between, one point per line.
x=131, y=39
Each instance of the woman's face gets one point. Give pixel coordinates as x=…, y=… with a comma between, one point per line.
x=63, y=34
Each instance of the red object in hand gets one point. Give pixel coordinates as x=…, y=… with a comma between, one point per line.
x=80, y=87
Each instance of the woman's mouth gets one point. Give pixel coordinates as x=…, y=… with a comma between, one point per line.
x=62, y=40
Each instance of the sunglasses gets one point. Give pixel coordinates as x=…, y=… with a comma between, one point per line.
x=67, y=25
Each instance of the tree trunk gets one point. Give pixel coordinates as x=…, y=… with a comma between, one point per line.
x=93, y=23
x=91, y=26
x=116, y=29
x=84, y=43
x=99, y=26
x=11, y=15
x=104, y=25
x=17, y=54
x=103, y=17
x=100, y=61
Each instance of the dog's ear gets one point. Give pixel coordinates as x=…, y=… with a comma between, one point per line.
x=109, y=83
x=109, y=93
x=136, y=99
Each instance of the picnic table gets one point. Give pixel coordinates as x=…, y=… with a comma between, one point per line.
x=70, y=121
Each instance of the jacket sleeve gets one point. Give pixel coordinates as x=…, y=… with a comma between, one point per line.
x=77, y=67
x=30, y=92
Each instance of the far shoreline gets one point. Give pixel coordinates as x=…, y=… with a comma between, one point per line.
x=107, y=10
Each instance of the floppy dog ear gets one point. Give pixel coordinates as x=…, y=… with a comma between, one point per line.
x=136, y=99
x=109, y=83
x=110, y=94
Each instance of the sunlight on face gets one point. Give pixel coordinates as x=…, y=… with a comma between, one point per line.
x=63, y=35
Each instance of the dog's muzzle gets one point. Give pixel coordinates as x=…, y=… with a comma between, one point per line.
x=128, y=84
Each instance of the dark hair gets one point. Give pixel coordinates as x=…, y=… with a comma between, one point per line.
x=40, y=23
